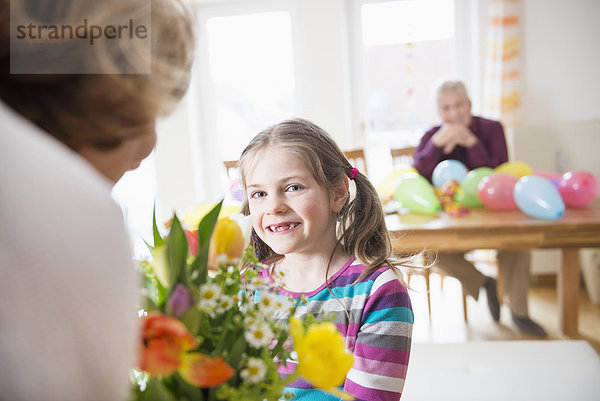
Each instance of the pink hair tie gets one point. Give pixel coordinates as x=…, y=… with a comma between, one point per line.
x=353, y=173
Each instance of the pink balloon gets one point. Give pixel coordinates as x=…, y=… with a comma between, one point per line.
x=551, y=176
x=496, y=191
x=578, y=188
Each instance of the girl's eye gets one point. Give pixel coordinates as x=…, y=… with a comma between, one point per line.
x=295, y=187
x=257, y=194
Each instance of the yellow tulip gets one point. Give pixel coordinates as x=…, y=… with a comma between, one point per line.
x=227, y=240
x=160, y=267
x=322, y=356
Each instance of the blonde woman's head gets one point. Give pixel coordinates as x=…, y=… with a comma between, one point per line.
x=95, y=97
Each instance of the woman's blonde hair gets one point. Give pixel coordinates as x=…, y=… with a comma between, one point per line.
x=361, y=230
x=116, y=102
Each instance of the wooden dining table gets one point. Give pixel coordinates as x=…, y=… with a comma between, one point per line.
x=507, y=230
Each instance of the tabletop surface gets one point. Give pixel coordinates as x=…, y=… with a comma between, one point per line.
x=503, y=370
x=487, y=229
x=485, y=218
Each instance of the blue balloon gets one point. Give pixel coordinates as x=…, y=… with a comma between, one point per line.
x=448, y=170
x=538, y=197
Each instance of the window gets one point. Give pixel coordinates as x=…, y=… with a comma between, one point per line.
x=252, y=74
x=405, y=48
x=136, y=193
x=401, y=50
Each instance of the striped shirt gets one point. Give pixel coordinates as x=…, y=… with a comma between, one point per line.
x=378, y=333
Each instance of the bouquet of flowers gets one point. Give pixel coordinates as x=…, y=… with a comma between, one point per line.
x=223, y=335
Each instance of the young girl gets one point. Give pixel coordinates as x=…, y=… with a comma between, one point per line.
x=335, y=252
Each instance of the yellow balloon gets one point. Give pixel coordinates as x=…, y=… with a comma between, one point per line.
x=518, y=169
x=388, y=186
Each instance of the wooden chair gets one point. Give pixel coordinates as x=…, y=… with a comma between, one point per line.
x=357, y=159
x=402, y=155
x=231, y=167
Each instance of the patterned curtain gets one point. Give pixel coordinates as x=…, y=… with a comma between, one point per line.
x=502, y=79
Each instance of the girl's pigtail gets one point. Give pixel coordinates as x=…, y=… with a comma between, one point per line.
x=362, y=230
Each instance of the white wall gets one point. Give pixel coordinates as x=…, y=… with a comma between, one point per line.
x=322, y=66
x=561, y=55
x=560, y=127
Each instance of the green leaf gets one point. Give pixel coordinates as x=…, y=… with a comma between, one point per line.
x=158, y=240
x=156, y=391
x=190, y=391
x=236, y=351
x=153, y=290
x=191, y=319
x=177, y=249
x=199, y=267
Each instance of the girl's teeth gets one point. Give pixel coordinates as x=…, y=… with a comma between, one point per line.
x=282, y=228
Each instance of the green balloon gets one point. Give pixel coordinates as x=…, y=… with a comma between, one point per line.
x=416, y=194
x=468, y=196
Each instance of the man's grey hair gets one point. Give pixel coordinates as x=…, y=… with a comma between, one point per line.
x=451, y=87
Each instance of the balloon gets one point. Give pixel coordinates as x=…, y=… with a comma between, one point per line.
x=553, y=177
x=469, y=196
x=549, y=175
x=448, y=170
x=578, y=188
x=387, y=187
x=236, y=190
x=496, y=191
x=416, y=194
x=537, y=197
x=518, y=169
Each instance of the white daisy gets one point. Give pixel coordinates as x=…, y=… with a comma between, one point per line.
x=256, y=284
x=225, y=303
x=250, y=317
x=209, y=295
x=284, y=304
x=246, y=307
x=267, y=302
x=255, y=371
x=237, y=298
x=258, y=334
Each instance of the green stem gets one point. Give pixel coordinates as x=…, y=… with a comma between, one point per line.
x=290, y=378
x=222, y=341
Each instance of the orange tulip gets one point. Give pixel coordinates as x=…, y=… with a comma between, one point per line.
x=204, y=371
x=164, y=341
x=165, y=349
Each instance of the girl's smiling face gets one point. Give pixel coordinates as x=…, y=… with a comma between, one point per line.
x=290, y=211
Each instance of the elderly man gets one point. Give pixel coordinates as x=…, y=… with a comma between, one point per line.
x=476, y=142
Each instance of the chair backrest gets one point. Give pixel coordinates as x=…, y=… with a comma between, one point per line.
x=231, y=167
x=357, y=159
x=402, y=156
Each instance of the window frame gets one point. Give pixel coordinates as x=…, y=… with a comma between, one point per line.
x=466, y=68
